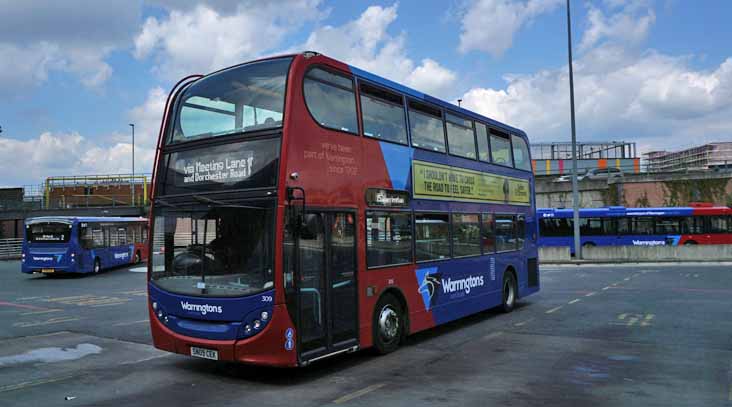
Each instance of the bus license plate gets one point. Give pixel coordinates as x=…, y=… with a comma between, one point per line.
x=47, y=270
x=204, y=353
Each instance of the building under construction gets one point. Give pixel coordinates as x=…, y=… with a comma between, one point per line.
x=556, y=158
x=704, y=157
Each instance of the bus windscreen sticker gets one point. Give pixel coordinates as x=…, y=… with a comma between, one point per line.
x=435, y=181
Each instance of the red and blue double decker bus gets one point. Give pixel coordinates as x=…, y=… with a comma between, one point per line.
x=304, y=208
x=76, y=244
x=621, y=226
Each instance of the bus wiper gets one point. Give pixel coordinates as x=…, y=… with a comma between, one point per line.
x=225, y=204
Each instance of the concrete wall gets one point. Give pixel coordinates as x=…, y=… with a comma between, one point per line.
x=558, y=254
x=634, y=190
x=620, y=254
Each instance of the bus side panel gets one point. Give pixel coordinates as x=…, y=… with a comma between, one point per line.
x=402, y=279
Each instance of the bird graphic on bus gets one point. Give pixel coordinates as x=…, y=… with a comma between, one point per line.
x=429, y=285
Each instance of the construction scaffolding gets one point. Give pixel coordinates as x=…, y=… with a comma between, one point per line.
x=699, y=158
x=95, y=191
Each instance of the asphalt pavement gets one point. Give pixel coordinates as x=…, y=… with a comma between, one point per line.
x=637, y=335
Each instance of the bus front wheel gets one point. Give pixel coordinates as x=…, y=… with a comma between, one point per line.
x=97, y=266
x=509, y=292
x=388, y=324
x=138, y=258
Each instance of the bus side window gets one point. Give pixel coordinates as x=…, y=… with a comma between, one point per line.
x=520, y=231
x=488, y=233
x=482, y=136
x=520, y=153
x=85, y=238
x=500, y=148
x=330, y=99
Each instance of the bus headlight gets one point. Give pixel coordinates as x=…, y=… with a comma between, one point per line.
x=264, y=316
x=155, y=306
x=257, y=324
x=248, y=329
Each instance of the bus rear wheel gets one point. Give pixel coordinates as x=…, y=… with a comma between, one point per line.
x=97, y=266
x=388, y=324
x=509, y=292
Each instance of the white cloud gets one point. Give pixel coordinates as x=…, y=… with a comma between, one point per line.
x=630, y=25
x=148, y=116
x=53, y=154
x=490, y=25
x=620, y=95
x=203, y=38
x=72, y=36
x=366, y=43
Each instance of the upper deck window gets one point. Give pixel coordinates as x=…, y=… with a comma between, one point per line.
x=425, y=122
x=501, y=148
x=482, y=137
x=520, y=153
x=460, y=136
x=331, y=100
x=240, y=99
x=383, y=114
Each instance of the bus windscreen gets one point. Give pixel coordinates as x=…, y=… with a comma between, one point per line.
x=217, y=250
x=240, y=99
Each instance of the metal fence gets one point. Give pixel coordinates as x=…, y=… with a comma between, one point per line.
x=10, y=248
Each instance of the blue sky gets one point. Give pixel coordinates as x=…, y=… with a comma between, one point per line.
x=74, y=74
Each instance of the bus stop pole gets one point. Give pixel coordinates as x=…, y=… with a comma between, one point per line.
x=575, y=194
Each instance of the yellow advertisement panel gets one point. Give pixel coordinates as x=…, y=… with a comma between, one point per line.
x=436, y=181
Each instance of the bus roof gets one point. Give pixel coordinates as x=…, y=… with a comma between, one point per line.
x=70, y=219
x=431, y=99
x=399, y=88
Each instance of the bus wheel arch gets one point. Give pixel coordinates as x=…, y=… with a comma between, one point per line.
x=391, y=304
x=509, y=289
x=690, y=242
x=588, y=244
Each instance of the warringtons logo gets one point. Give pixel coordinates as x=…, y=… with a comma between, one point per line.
x=202, y=308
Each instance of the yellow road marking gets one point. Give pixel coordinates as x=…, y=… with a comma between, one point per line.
x=591, y=294
x=359, y=393
x=24, y=385
x=47, y=322
x=42, y=312
x=574, y=301
x=62, y=299
x=108, y=304
x=554, y=309
x=131, y=322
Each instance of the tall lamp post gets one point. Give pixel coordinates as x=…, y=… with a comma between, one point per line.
x=575, y=194
x=133, y=163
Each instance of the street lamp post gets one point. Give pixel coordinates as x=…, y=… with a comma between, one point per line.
x=575, y=194
x=133, y=163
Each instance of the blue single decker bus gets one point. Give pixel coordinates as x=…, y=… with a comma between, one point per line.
x=67, y=244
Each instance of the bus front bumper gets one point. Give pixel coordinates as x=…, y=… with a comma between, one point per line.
x=269, y=347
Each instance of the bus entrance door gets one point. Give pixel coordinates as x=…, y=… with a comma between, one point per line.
x=328, y=306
